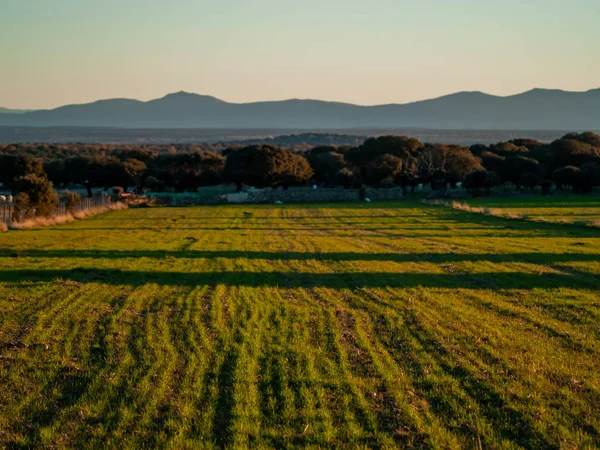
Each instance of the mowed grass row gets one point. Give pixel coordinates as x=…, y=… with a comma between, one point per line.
x=354, y=325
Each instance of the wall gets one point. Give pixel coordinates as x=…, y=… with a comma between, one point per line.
x=290, y=196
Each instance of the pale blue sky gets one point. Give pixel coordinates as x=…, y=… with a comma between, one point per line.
x=54, y=52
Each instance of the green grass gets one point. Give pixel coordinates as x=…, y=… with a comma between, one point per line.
x=559, y=208
x=354, y=325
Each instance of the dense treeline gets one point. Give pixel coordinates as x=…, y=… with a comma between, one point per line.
x=48, y=152
x=296, y=142
x=572, y=162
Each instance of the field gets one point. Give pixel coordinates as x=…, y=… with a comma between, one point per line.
x=556, y=208
x=379, y=325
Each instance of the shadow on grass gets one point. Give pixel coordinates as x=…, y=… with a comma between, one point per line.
x=487, y=280
x=225, y=400
x=532, y=257
x=66, y=388
x=512, y=423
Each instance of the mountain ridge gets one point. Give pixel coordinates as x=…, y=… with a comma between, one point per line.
x=13, y=111
x=534, y=109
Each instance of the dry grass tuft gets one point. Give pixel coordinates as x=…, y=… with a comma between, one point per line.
x=41, y=222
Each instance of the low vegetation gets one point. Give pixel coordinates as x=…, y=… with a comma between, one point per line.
x=68, y=217
x=356, y=325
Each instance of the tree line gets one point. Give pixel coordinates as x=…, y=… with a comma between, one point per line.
x=572, y=162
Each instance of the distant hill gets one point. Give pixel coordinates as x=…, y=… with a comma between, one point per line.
x=539, y=109
x=13, y=111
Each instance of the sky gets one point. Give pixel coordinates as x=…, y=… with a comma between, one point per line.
x=56, y=52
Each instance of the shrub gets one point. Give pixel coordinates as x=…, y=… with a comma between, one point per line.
x=21, y=206
x=72, y=201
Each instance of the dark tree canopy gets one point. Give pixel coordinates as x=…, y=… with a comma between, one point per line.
x=514, y=167
x=265, y=166
x=587, y=137
x=566, y=177
x=383, y=167
x=187, y=171
x=480, y=180
x=508, y=148
x=492, y=161
x=442, y=164
x=402, y=147
x=15, y=166
x=378, y=161
x=573, y=152
x=326, y=162
x=529, y=180
x=529, y=144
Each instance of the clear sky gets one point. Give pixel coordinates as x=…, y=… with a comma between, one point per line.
x=54, y=52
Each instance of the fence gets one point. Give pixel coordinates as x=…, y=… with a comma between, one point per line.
x=6, y=212
x=6, y=209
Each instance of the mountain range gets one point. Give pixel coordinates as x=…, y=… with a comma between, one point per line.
x=538, y=109
x=13, y=111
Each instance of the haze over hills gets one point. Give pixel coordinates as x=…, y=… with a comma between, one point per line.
x=13, y=111
x=540, y=109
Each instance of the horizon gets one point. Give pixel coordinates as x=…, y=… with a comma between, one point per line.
x=302, y=99
x=384, y=52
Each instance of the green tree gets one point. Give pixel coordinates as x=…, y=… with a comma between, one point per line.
x=442, y=164
x=492, y=161
x=573, y=152
x=480, y=180
x=326, y=162
x=383, y=167
x=514, y=167
x=566, y=177
x=188, y=171
x=266, y=166
x=346, y=178
x=402, y=147
x=41, y=195
x=15, y=166
x=529, y=180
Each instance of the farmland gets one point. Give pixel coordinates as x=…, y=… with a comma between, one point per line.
x=567, y=209
x=351, y=325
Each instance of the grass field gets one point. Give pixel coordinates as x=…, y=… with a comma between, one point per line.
x=380, y=325
x=557, y=208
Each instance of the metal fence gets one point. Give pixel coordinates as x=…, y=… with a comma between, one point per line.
x=7, y=209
